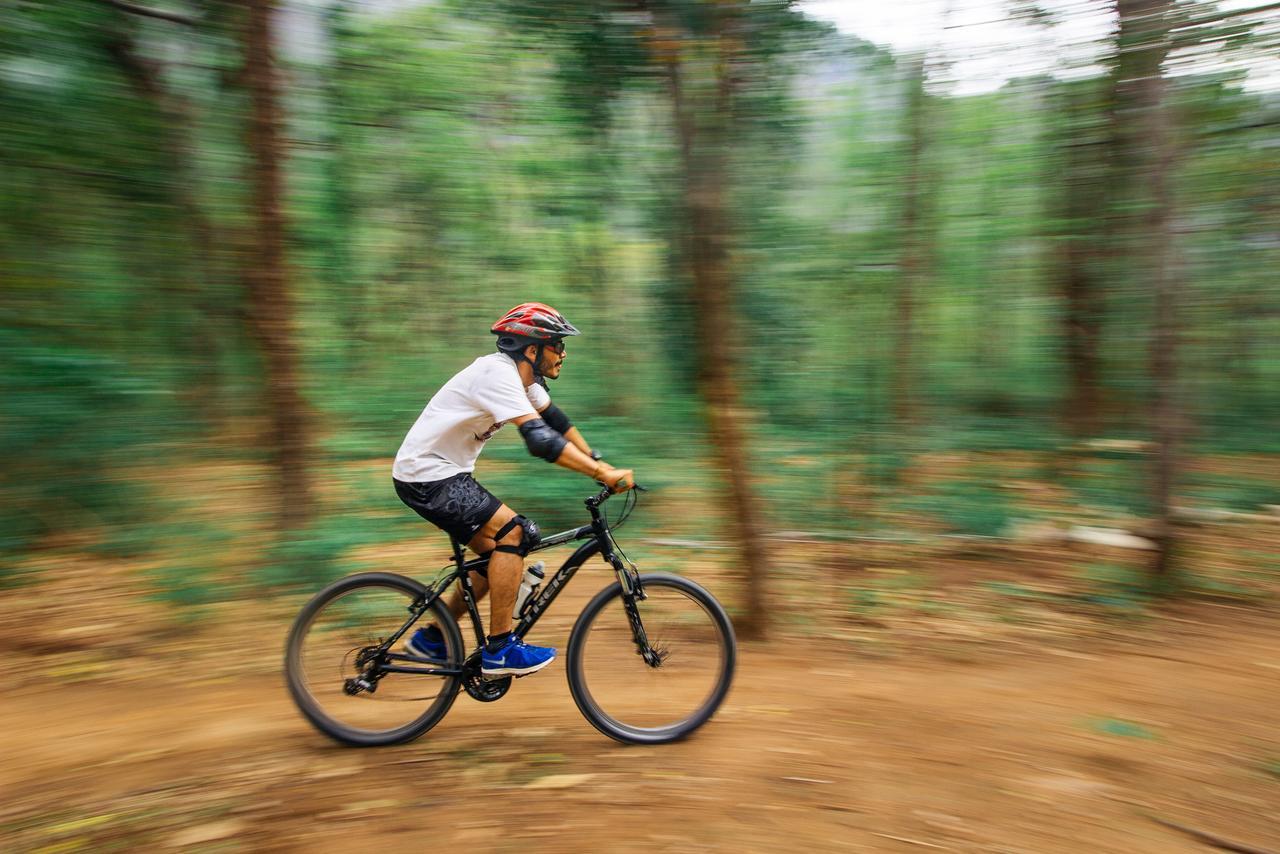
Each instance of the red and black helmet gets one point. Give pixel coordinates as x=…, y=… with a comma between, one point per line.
x=531, y=323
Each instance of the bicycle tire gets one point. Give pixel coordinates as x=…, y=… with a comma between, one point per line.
x=320, y=712
x=625, y=690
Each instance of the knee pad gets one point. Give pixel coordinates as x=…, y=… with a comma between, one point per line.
x=530, y=536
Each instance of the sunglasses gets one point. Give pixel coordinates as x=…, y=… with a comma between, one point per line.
x=556, y=347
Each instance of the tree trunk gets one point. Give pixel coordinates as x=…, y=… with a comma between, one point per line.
x=1152, y=151
x=904, y=409
x=270, y=300
x=703, y=136
x=1080, y=257
x=1166, y=410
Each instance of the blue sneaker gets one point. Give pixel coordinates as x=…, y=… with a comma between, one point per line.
x=421, y=645
x=515, y=658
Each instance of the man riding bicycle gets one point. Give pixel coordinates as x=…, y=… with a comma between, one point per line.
x=433, y=467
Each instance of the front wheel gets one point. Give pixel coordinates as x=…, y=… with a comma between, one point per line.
x=652, y=670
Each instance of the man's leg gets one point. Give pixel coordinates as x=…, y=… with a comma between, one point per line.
x=504, y=655
x=479, y=587
x=481, y=545
x=505, y=568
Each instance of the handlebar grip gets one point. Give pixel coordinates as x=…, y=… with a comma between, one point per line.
x=606, y=490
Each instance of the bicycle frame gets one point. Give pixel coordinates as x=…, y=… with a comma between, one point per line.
x=598, y=539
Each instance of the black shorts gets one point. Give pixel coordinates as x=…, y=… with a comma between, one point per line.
x=458, y=505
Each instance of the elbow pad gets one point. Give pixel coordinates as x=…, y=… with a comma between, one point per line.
x=542, y=440
x=556, y=419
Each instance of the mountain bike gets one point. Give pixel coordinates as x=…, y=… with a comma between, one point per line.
x=650, y=658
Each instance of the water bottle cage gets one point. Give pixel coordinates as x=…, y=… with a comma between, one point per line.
x=529, y=600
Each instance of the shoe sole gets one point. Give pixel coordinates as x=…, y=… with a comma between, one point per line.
x=514, y=671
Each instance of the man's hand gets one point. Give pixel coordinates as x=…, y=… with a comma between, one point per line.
x=618, y=480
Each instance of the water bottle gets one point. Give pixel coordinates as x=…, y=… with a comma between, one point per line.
x=528, y=586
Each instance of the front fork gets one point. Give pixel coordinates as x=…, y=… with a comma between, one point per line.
x=633, y=593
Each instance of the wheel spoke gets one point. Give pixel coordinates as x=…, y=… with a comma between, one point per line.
x=333, y=661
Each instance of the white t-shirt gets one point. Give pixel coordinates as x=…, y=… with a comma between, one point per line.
x=450, y=433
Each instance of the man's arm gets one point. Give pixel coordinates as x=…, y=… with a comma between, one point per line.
x=571, y=456
x=560, y=422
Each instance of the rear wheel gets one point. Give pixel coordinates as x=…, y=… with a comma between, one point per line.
x=334, y=656
x=669, y=688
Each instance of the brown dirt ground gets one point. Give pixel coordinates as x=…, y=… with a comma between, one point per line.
x=1005, y=753
x=907, y=700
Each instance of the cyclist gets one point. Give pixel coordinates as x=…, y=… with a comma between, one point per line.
x=433, y=467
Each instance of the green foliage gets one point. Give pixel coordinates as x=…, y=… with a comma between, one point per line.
x=886, y=467
x=971, y=507
x=168, y=536
x=1114, y=485
x=70, y=417
x=800, y=487
x=186, y=586
x=993, y=434
x=1127, y=591
x=447, y=162
x=321, y=552
x=1238, y=493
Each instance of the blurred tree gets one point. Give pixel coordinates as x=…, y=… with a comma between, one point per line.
x=703, y=52
x=599, y=55
x=702, y=49
x=196, y=336
x=670, y=162
x=270, y=298
x=1149, y=153
x=915, y=248
x=1080, y=170
x=340, y=174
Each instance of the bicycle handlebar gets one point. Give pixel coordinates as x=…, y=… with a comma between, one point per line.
x=604, y=494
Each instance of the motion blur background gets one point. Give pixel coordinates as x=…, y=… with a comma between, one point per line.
x=945, y=313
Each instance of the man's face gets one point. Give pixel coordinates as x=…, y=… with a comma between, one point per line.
x=552, y=359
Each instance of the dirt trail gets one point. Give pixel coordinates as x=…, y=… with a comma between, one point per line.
x=1047, y=751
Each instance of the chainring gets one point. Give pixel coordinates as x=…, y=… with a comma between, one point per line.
x=486, y=690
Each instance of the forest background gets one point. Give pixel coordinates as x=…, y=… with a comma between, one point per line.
x=966, y=404
x=822, y=294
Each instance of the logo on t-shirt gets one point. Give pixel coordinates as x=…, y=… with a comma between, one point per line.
x=493, y=428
